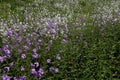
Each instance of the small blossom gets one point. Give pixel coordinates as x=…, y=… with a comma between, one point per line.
x=56, y=70
x=48, y=60
x=33, y=71
x=15, y=78
x=51, y=69
x=1, y=59
x=34, y=50
x=9, y=32
x=5, y=77
x=40, y=72
x=5, y=47
x=39, y=40
x=4, y=41
x=50, y=43
x=58, y=57
x=25, y=47
x=36, y=64
x=22, y=68
x=34, y=33
x=50, y=24
x=22, y=78
x=7, y=52
x=35, y=55
x=7, y=69
x=64, y=41
x=23, y=56
x=19, y=39
x=11, y=64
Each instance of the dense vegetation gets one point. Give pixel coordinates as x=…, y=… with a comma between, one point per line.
x=59, y=40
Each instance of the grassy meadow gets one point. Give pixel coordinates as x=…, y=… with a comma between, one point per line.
x=59, y=40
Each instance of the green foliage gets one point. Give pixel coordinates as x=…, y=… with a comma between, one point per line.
x=92, y=52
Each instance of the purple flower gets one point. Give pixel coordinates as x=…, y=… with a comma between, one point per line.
x=15, y=78
x=22, y=78
x=64, y=41
x=52, y=31
x=34, y=50
x=39, y=40
x=1, y=59
x=34, y=33
x=5, y=47
x=35, y=55
x=48, y=60
x=5, y=77
x=33, y=71
x=58, y=57
x=7, y=52
x=51, y=69
x=19, y=39
x=56, y=70
x=23, y=56
x=4, y=41
x=22, y=68
x=40, y=72
x=9, y=32
x=7, y=68
x=36, y=64
x=50, y=43
x=26, y=47
x=11, y=64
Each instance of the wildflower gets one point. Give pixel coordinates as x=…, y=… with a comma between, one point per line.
x=19, y=39
x=9, y=32
x=22, y=78
x=5, y=77
x=1, y=59
x=48, y=60
x=15, y=78
x=40, y=72
x=34, y=50
x=58, y=57
x=47, y=48
x=5, y=47
x=56, y=70
x=50, y=24
x=64, y=41
x=4, y=41
x=51, y=69
x=34, y=33
x=11, y=64
x=25, y=47
x=35, y=55
x=7, y=52
x=52, y=31
x=22, y=68
x=23, y=56
x=39, y=40
x=7, y=69
x=36, y=64
x=50, y=43
x=33, y=71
